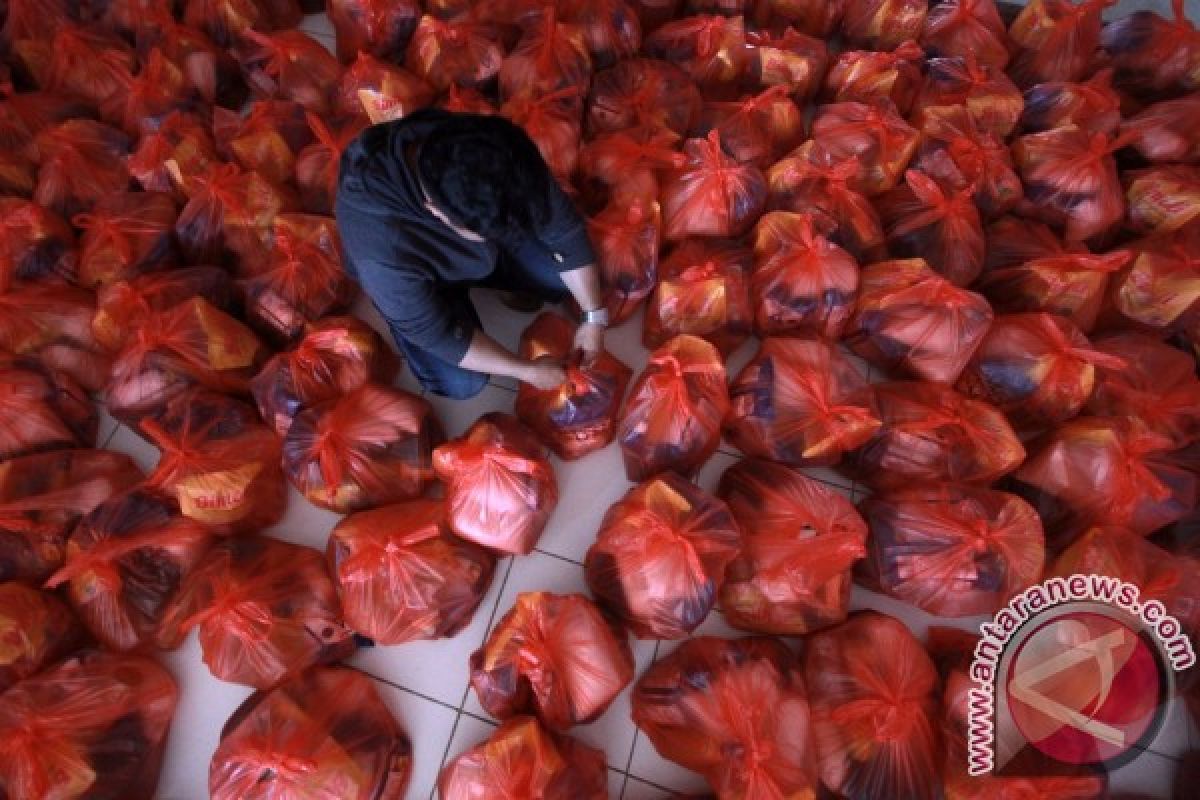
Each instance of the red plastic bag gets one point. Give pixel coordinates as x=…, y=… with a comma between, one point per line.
x=1155, y=383
x=380, y=91
x=218, y=461
x=79, y=162
x=159, y=88
x=610, y=28
x=580, y=416
x=44, y=410
x=317, y=164
x=882, y=24
x=993, y=102
x=1162, y=199
x=402, y=576
x=552, y=121
x=703, y=290
x=122, y=307
x=24, y=114
x=672, y=419
x=288, y=65
x=642, y=93
x=952, y=551
x=1072, y=285
x=1039, y=369
x=36, y=245
x=52, y=325
x=521, y=759
x=931, y=433
x=181, y=146
x=228, y=21
x=710, y=49
x=867, y=76
x=936, y=222
x=791, y=59
x=266, y=611
x=1095, y=471
x=94, y=726
x=967, y=29
x=711, y=194
x=467, y=101
x=801, y=402
x=551, y=55
x=18, y=175
x=323, y=735
x=1152, y=54
x=813, y=181
x=125, y=562
x=734, y=710
x=1056, y=40
x=556, y=656
x=878, y=137
x=874, y=697
x=1012, y=241
x=125, y=235
x=802, y=281
x=193, y=343
x=372, y=27
x=1166, y=132
x=954, y=150
x=337, y=355
x=229, y=216
x=36, y=19
x=266, y=140
x=38, y=631
x=659, y=558
x=1162, y=286
x=460, y=51
x=301, y=282
x=757, y=130
x=500, y=487
x=800, y=538
x=210, y=71
x=627, y=243
x=629, y=165
x=910, y=319
x=1090, y=104
x=92, y=65
x=366, y=448
x=817, y=18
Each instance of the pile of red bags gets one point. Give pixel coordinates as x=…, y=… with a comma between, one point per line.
x=500, y=486
x=38, y=630
x=555, y=656
x=266, y=611
x=402, y=576
x=711, y=194
x=660, y=556
x=125, y=235
x=734, y=710
x=580, y=416
x=122, y=308
x=703, y=291
x=1154, y=383
x=968, y=82
x=324, y=734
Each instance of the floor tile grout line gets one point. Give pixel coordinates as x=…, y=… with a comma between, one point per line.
x=636, y=732
x=557, y=556
x=401, y=687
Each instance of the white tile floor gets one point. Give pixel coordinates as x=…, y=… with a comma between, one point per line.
x=425, y=684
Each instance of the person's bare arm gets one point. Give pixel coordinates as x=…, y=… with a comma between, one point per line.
x=485, y=354
x=584, y=285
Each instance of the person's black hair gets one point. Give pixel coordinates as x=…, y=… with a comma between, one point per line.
x=487, y=175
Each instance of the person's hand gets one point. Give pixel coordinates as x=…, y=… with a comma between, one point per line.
x=589, y=341
x=545, y=373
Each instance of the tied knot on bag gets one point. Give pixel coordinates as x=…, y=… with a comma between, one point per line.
x=883, y=715
x=233, y=611
x=654, y=526
x=939, y=204
x=268, y=763
x=1061, y=345
x=118, y=230
x=1142, y=480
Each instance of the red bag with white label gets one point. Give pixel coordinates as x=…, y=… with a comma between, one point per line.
x=800, y=538
x=1090, y=104
x=702, y=290
x=369, y=447
x=877, y=136
x=931, y=433
x=39, y=631
x=966, y=29
x=672, y=419
x=935, y=220
x=711, y=194
x=990, y=99
x=800, y=401
x=627, y=243
x=500, y=487
x=123, y=307
x=461, y=51
x=126, y=234
x=555, y=656
x=1056, y=40
x=125, y=562
x=660, y=557
x=1155, y=383
x=642, y=93
x=867, y=76
x=379, y=29
x=734, y=710
x=401, y=574
x=380, y=91
x=865, y=737
x=818, y=18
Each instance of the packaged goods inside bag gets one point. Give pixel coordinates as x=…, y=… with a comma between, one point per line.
x=288, y=65
x=403, y=576
x=180, y=151
x=1162, y=199
x=550, y=55
x=460, y=51
x=380, y=91
x=703, y=291
x=580, y=416
x=756, y=130
x=36, y=245
x=955, y=151
x=43, y=496
x=325, y=734
x=379, y=29
x=266, y=140
x=1162, y=284
x=867, y=76
x=967, y=28
x=50, y=325
x=711, y=194
x=734, y=710
x=876, y=135
x=1091, y=104
x=79, y=163
x=710, y=48
x=500, y=486
x=660, y=557
x=791, y=59
x=1154, y=54
x=936, y=220
x=882, y=24
x=317, y=164
x=555, y=656
x=990, y=99
x=642, y=92
x=1168, y=131
x=42, y=410
x=266, y=611
x=817, y=18
x=1056, y=40
x=552, y=122
x=122, y=307
x=125, y=235
x=800, y=538
x=38, y=630
x=627, y=243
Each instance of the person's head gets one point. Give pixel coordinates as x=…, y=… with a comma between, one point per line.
x=486, y=174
